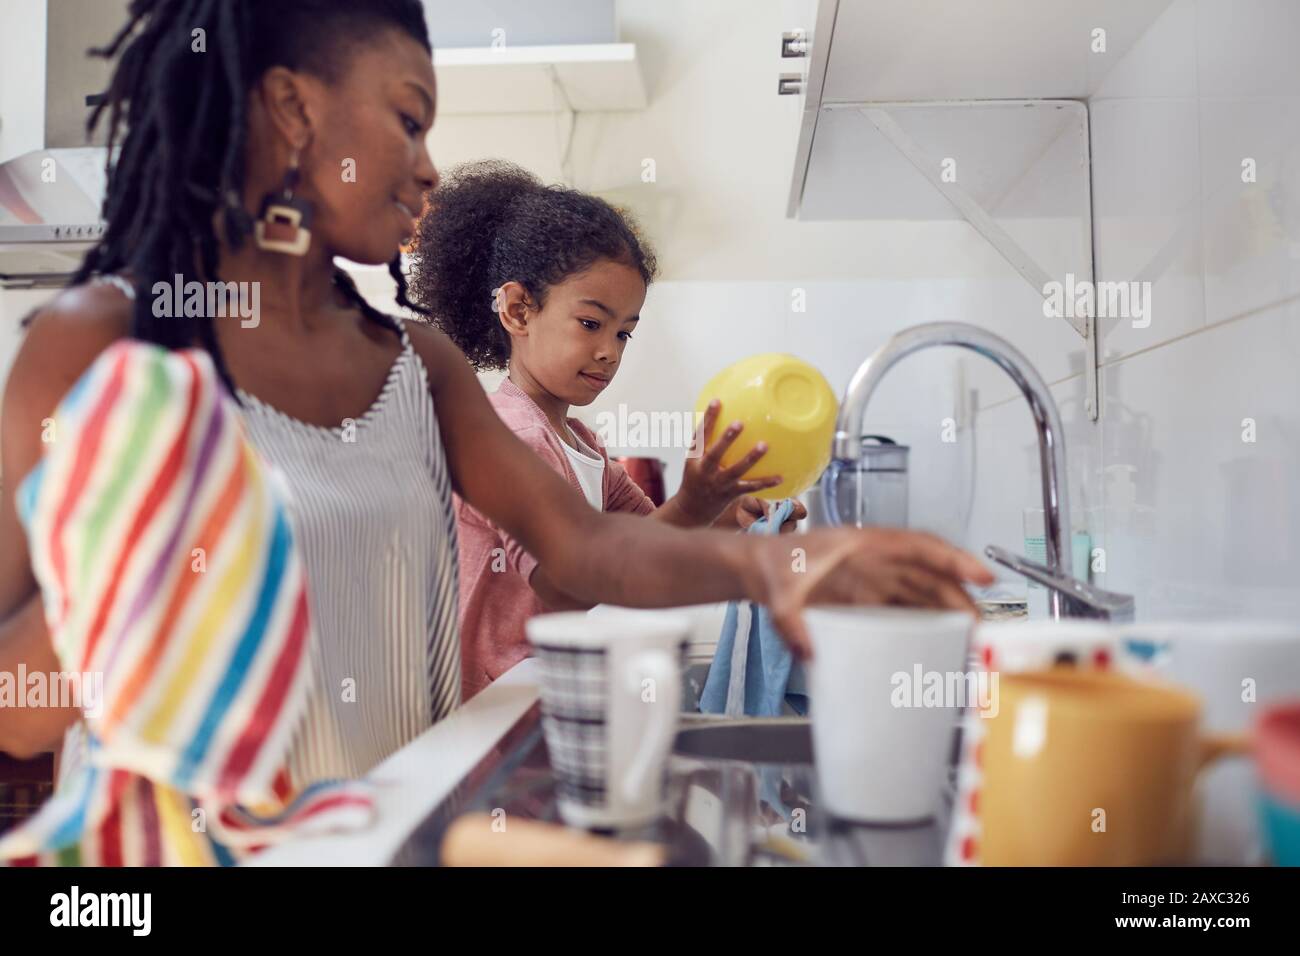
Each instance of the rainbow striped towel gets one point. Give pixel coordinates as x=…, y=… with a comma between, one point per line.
x=177, y=603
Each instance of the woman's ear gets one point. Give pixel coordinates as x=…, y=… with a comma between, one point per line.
x=512, y=305
x=284, y=98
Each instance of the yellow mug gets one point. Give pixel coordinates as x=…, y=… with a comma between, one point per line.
x=1091, y=768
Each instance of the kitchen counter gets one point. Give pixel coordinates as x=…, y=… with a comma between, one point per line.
x=417, y=787
x=739, y=792
x=413, y=781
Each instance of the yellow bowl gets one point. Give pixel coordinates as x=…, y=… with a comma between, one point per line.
x=785, y=402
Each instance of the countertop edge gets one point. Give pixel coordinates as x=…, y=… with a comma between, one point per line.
x=411, y=782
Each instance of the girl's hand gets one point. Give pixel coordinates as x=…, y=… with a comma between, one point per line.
x=708, y=488
x=749, y=509
x=881, y=566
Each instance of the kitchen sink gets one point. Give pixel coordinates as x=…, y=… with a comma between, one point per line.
x=740, y=792
x=763, y=740
x=694, y=674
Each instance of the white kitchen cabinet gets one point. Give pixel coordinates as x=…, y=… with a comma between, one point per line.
x=933, y=110
x=871, y=52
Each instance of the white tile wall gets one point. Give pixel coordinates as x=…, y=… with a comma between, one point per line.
x=1215, y=527
x=1218, y=519
x=1252, y=230
x=1147, y=215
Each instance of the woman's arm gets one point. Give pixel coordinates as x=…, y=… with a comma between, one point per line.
x=622, y=559
x=60, y=345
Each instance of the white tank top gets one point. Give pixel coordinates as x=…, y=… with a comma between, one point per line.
x=589, y=469
x=371, y=509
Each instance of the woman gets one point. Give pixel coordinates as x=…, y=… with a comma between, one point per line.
x=265, y=138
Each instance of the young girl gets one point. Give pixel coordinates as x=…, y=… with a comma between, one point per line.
x=547, y=283
x=230, y=170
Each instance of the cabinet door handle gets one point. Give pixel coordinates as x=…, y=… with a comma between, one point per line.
x=794, y=43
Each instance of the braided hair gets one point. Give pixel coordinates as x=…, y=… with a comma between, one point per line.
x=168, y=184
x=492, y=222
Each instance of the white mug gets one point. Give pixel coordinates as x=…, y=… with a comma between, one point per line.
x=1237, y=668
x=611, y=686
x=1233, y=665
x=881, y=742
x=1011, y=647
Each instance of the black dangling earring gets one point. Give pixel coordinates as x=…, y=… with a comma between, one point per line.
x=284, y=224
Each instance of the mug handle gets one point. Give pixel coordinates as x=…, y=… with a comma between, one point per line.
x=658, y=737
x=1215, y=747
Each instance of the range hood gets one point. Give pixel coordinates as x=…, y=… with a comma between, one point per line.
x=502, y=57
x=50, y=204
x=52, y=180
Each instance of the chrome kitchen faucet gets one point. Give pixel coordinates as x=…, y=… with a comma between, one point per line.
x=1069, y=597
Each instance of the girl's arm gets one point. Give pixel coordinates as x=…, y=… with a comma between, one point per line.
x=60, y=345
x=622, y=559
x=595, y=557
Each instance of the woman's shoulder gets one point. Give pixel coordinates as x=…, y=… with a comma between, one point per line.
x=88, y=315
x=96, y=299
x=431, y=345
x=445, y=362
x=63, y=338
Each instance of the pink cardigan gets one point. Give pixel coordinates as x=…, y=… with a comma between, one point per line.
x=495, y=603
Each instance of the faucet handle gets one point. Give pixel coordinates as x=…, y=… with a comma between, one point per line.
x=1078, y=599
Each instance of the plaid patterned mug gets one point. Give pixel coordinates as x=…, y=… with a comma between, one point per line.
x=611, y=687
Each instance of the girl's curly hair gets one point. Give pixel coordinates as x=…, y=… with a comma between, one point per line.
x=492, y=222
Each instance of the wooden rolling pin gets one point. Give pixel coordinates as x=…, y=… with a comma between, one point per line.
x=478, y=839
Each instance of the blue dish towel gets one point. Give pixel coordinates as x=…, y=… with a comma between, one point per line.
x=751, y=667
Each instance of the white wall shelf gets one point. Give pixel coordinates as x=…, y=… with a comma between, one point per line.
x=540, y=79
x=932, y=111
x=994, y=49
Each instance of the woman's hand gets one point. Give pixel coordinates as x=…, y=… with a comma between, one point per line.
x=860, y=566
x=707, y=487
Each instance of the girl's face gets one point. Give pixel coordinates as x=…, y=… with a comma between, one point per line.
x=574, y=345
x=366, y=166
